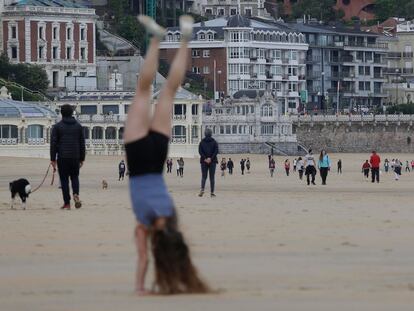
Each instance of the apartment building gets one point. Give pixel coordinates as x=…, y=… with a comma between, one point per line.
x=345, y=65
x=237, y=53
x=400, y=64
x=59, y=35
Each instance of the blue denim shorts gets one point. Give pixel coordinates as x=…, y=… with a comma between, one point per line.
x=150, y=198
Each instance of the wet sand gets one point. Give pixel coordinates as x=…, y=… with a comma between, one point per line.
x=267, y=244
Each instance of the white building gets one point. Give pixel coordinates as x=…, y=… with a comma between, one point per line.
x=251, y=122
x=103, y=114
x=229, y=7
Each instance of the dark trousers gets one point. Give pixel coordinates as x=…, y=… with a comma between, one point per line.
x=121, y=175
x=300, y=174
x=230, y=170
x=242, y=170
x=209, y=169
x=324, y=174
x=169, y=168
x=310, y=172
x=375, y=174
x=181, y=171
x=366, y=173
x=68, y=168
x=339, y=170
x=287, y=171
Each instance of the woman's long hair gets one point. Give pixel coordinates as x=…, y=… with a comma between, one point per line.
x=174, y=270
x=321, y=156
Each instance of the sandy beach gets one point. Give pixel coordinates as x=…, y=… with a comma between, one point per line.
x=266, y=244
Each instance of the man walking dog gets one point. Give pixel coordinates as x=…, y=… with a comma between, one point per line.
x=67, y=144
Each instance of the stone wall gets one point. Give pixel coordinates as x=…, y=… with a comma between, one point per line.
x=289, y=148
x=360, y=137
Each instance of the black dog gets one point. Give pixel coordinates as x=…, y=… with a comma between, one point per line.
x=21, y=187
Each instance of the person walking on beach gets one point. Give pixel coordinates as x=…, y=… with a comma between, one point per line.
x=230, y=166
x=407, y=166
x=300, y=167
x=248, y=165
x=375, y=162
x=169, y=166
x=242, y=165
x=146, y=145
x=365, y=169
x=412, y=165
x=397, y=169
x=324, y=165
x=178, y=167
x=392, y=164
x=310, y=169
x=67, y=153
x=287, y=167
x=208, y=150
x=121, y=169
x=272, y=166
x=295, y=162
x=223, y=166
x=386, y=165
x=339, y=166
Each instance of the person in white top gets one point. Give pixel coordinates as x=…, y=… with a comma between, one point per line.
x=310, y=169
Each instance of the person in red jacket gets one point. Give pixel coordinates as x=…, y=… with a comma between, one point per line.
x=375, y=162
x=365, y=169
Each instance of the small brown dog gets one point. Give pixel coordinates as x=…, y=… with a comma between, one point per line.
x=104, y=184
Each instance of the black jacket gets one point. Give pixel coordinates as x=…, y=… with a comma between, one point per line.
x=67, y=140
x=208, y=148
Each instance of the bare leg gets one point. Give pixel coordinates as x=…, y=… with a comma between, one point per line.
x=138, y=121
x=141, y=235
x=162, y=117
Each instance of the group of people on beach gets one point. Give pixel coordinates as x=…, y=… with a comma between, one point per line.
x=395, y=165
x=180, y=166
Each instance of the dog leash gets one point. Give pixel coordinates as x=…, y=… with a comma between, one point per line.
x=44, y=178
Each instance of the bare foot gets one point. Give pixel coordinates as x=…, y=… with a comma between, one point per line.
x=144, y=292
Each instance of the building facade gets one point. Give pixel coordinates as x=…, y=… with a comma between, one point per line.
x=58, y=35
x=251, y=122
x=400, y=69
x=24, y=127
x=345, y=65
x=237, y=53
x=103, y=114
x=219, y=8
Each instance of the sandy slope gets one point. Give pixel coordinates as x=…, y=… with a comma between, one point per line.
x=267, y=243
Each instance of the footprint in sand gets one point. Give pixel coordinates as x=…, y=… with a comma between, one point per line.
x=281, y=245
x=387, y=221
x=39, y=245
x=349, y=244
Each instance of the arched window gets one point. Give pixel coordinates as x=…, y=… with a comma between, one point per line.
x=8, y=131
x=34, y=131
x=179, y=134
x=86, y=132
x=97, y=132
x=110, y=132
x=194, y=109
x=267, y=110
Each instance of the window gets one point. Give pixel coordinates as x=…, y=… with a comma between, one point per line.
x=110, y=109
x=110, y=132
x=89, y=109
x=8, y=131
x=41, y=52
x=206, y=70
x=367, y=71
x=13, y=52
x=179, y=133
x=291, y=104
x=82, y=74
x=293, y=87
x=69, y=34
x=228, y=129
x=69, y=74
x=82, y=34
x=13, y=32
x=233, y=11
x=55, y=52
x=267, y=110
x=277, y=86
x=206, y=53
x=209, y=12
x=276, y=70
x=83, y=53
x=248, y=12
x=293, y=55
x=97, y=132
x=201, y=36
x=55, y=79
x=195, y=53
x=364, y=86
x=361, y=70
x=41, y=32
x=68, y=53
x=34, y=131
x=276, y=54
x=267, y=129
x=360, y=56
x=234, y=52
x=194, y=109
x=234, y=36
x=220, y=12
x=293, y=71
x=210, y=36
x=195, y=69
x=55, y=33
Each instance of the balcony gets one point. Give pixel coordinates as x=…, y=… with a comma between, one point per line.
x=179, y=117
x=383, y=46
x=347, y=59
x=312, y=59
x=407, y=55
x=8, y=141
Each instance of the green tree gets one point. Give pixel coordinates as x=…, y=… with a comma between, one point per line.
x=321, y=9
x=129, y=28
x=385, y=9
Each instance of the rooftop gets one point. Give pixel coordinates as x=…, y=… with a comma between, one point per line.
x=51, y=3
x=14, y=109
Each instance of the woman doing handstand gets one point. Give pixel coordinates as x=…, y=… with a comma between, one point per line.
x=146, y=145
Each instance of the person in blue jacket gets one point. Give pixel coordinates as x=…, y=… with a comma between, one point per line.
x=324, y=165
x=208, y=150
